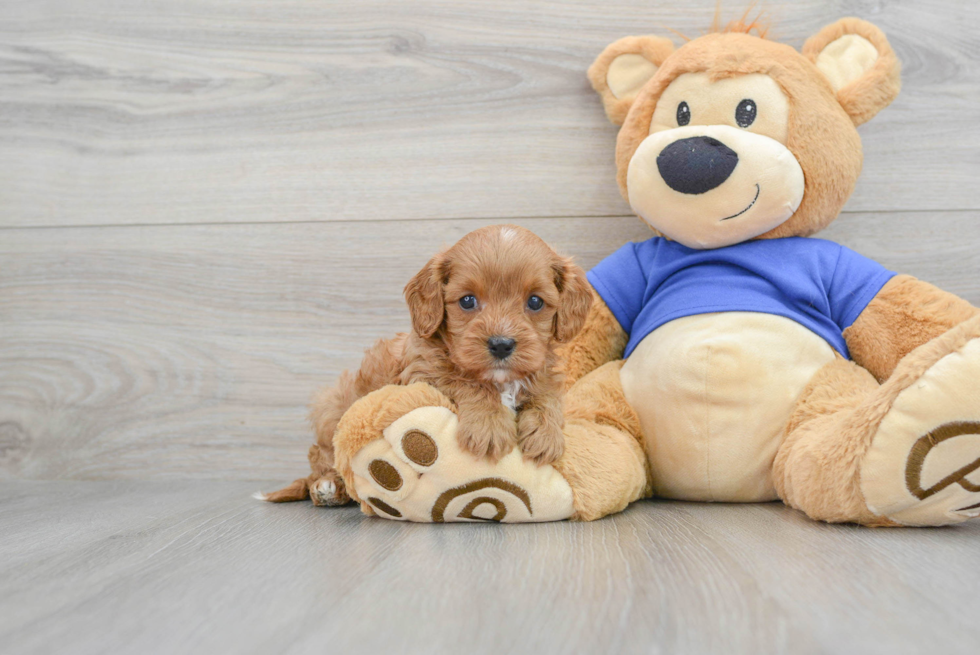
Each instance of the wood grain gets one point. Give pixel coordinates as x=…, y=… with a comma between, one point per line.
x=172, y=352
x=199, y=567
x=208, y=209
x=194, y=111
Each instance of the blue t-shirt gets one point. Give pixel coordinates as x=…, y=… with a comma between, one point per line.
x=819, y=284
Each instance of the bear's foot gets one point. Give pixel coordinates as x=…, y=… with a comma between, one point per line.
x=923, y=464
x=418, y=472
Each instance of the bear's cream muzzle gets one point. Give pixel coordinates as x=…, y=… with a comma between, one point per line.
x=708, y=186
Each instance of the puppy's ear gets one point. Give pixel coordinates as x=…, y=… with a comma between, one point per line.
x=423, y=293
x=860, y=65
x=575, y=299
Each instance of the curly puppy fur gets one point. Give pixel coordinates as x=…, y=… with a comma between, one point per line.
x=498, y=269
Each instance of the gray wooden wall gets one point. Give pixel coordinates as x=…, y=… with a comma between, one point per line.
x=209, y=208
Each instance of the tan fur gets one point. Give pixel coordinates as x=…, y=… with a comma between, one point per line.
x=821, y=123
x=817, y=466
x=502, y=266
x=365, y=421
x=905, y=314
x=917, y=362
x=821, y=135
x=874, y=90
x=604, y=461
x=741, y=25
x=654, y=49
x=601, y=340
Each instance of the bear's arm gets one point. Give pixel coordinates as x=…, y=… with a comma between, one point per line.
x=905, y=314
x=601, y=340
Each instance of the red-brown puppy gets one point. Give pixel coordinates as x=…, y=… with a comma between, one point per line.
x=486, y=314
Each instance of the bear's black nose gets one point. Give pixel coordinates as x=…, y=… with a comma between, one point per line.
x=696, y=164
x=500, y=347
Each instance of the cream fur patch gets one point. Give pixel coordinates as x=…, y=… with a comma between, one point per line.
x=628, y=73
x=846, y=59
x=714, y=102
x=714, y=393
x=508, y=393
x=948, y=394
x=442, y=483
x=763, y=190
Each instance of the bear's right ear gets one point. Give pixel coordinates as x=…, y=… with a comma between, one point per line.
x=623, y=68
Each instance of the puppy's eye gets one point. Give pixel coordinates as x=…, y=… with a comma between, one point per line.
x=745, y=113
x=683, y=114
x=534, y=303
x=467, y=302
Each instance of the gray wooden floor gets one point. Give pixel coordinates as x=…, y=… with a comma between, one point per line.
x=198, y=567
x=209, y=208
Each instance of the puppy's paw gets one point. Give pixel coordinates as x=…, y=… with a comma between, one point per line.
x=488, y=438
x=329, y=491
x=541, y=442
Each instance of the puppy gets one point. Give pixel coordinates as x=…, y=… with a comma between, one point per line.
x=486, y=314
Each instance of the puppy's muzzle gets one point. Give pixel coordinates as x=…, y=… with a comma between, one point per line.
x=501, y=347
x=696, y=164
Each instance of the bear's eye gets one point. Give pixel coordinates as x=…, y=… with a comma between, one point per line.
x=467, y=302
x=745, y=113
x=683, y=114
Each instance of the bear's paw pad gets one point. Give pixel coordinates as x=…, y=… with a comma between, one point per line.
x=923, y=466
x=418, y=472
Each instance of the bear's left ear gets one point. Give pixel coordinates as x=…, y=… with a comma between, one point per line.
x=622, y=69
x=860, y=65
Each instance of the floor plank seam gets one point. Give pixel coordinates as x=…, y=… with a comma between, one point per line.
x=8, y=228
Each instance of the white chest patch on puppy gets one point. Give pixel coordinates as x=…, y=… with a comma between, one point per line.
x=509, y=391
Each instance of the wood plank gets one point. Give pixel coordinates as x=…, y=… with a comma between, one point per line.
x=200, y=111
x=199, y=567
x=168, y=352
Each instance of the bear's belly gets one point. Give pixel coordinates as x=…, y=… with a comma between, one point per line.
x=714, y=393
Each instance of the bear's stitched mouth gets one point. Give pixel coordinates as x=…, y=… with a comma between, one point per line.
x=757, y=191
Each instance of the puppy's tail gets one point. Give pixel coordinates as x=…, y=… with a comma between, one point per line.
x=298, y=490
x=382, y=365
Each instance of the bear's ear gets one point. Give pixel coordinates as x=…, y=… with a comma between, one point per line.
x=860, y=65
x=623, y=68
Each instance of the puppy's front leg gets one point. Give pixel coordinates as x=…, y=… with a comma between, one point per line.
x=539, y=428
x=486, y=427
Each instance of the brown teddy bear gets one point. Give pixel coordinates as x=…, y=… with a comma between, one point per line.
x=730, y=358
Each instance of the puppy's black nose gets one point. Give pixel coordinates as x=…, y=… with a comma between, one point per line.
x=500, y=347
x=696, y=164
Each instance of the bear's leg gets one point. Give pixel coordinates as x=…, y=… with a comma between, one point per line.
x=604, y=460
x=906, y=452
x=816, y=467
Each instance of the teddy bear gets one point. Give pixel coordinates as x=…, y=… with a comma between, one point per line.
x=732, y=357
